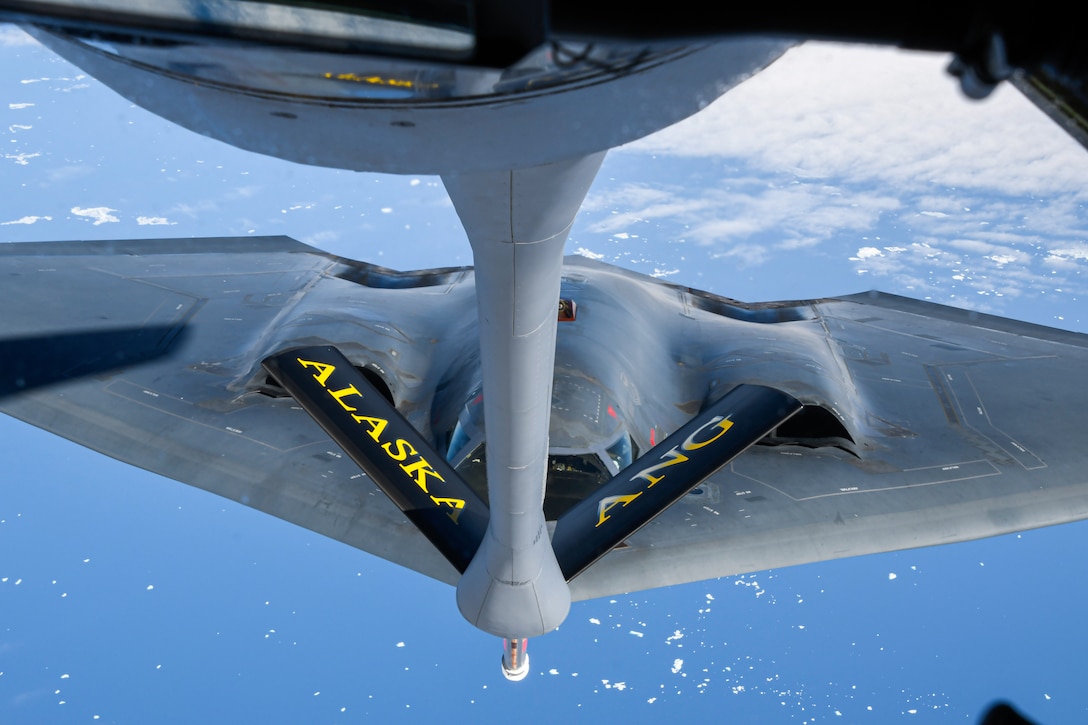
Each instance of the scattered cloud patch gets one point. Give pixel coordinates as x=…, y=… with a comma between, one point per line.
x=744, y=219
x=27, y=220
x=154, y=221
x=588, y=254
x=867, y=252
x=914, y=130
x=21, y=159
x=100, y=214
x=1072, y=252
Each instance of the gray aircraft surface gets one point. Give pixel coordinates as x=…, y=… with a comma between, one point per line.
x=784, y=432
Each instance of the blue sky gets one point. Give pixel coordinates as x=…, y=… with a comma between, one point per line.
x=136, y=599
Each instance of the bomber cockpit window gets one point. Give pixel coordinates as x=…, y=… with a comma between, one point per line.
x=467, y=452
x=621, y=452
x=575, y=470
x=571, y=478
x=473, y=469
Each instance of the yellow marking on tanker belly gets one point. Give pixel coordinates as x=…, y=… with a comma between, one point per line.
x=375, y=80
x=605, y=504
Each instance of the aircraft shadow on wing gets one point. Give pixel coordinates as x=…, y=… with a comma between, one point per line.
x=35, y=361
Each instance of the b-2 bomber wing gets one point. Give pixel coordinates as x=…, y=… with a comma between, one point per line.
x=922, y=424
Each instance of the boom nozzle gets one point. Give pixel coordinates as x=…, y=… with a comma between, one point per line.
x=515, y=660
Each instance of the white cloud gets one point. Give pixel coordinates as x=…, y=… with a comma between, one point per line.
x=986, y=249
x=22, y=158
x=100, y=214
x=732, y=215
x=588, y=254
x=153, y=221
x=633, y=204
x=1075, y=251
x=27, y=220
x=861, y=113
